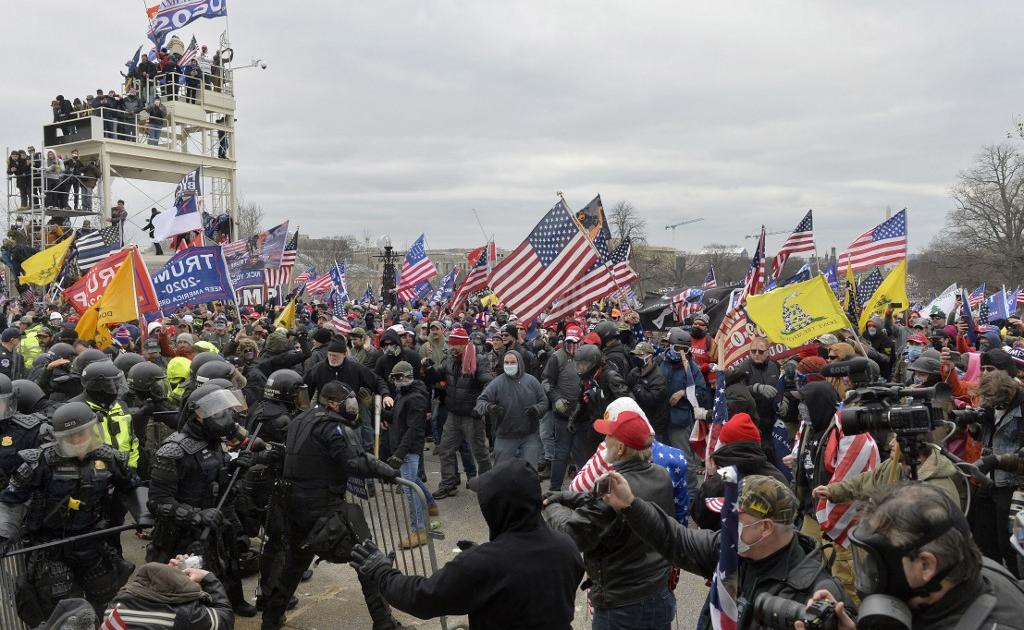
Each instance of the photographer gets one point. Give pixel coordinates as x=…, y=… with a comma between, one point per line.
x=773, y=557
x=161, y=594
x=918, y=567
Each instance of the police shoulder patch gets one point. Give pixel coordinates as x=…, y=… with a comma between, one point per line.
x=28, y=420
x=170, y=450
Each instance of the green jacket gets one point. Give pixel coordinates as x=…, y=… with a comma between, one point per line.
x=29, y=347
x=936, y=470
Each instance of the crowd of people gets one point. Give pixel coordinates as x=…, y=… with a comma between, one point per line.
x=586, y=443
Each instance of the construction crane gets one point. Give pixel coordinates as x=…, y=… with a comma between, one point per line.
x=758, y=235
x=675, y=225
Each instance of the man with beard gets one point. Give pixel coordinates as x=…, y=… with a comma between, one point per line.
x=701, y=344
x=1000, y=430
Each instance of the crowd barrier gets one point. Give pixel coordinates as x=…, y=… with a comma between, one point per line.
x=10, y=569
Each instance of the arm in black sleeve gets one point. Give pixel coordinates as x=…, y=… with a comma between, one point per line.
x=371, y=381
x=163, y=488
x=693, y=550
x=586, y=524
x=415, y=427
x=215, y=614
x=454, y=589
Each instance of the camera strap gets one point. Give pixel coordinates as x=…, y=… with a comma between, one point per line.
x=974, y=616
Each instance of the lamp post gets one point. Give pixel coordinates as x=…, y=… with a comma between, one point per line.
x=387, y=280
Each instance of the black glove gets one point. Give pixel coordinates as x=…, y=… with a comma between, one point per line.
x=465, y=545
x=258, y=445
x=531, y=413
x=369, y=560
x=381, y=470
x=496, y=410
x=427, y=363
x=210, y=517
x=568, y=498
x=987, y=463
x=245, y=460
x=395, y=462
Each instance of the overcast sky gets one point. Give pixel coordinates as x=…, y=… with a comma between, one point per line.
x=400, y=117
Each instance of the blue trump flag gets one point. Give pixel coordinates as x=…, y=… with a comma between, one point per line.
x=193, y=276
x=174, y=14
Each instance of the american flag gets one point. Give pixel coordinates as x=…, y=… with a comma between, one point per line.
x=279, y=277
x=476, y=279
x=976, y=296
x=855, y=454
x=319, y=284
x=416, y=268
x=1020, y=298
x=801, y=241
x=965, y=310
x=367, y=295
x=722, y=598
x=445, y=288
x=190, y=53
x=306, y=275
x=883, y=244
x=753, y=283
x=687, y=303
x=95, y=246
x=113, y=621
x=719, y=416
x=867, y=286
x=709, y=280
x=554, y=255
x=339, y=316
x=610, y=273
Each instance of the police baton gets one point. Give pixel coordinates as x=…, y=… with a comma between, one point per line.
x=64, y=541
x=231, y=484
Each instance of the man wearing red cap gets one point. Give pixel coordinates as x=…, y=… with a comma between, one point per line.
x=630, y=579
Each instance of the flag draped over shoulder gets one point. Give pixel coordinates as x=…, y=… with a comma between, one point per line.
x=722, y=603
x=797, y=313
x=891, y=293
x=42, y=267
x=854, y=454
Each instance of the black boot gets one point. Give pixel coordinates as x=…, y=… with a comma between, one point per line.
x=242, y=608
x=378, y=607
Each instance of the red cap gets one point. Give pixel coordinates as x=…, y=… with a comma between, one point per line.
x=573, y=332
x=459, y=337
x=918, y=338
x=629, y=427
x=739, y=428
x=592, y=339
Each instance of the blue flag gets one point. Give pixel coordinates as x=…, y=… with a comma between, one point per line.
x=446, y=288
x=174, y=15
x=193, y=276
x=804, y=273
x=833, y=280
x=965, y=310
x=338, y=278
x=367, y=295
x=133, y=63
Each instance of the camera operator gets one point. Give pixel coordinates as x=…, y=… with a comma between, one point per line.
x=918, y=567
x=773, y=557
x=1000, y=430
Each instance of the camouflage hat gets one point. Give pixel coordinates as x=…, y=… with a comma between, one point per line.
x=767, y=497
x=358, y=331
x=643, y=348
x=277, y=342
x=402, y=368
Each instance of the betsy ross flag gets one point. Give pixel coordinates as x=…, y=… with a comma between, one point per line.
x=478, y=264
x=416, y=268
x=279, y=277
x=753, y=283
x=554, y=255
x=611, y=273
x=881, y=245
x=801, y=241
x=722, y=598
x=855, y=454
x=95, y=246
x=867, y=286
x=976, y=296
x=709, y=280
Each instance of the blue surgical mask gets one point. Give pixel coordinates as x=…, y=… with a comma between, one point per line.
x=512, y=370
x=913, y=352
x=673, y=357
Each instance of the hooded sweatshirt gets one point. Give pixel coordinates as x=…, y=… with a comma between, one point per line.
x=157, y=594
x=749, y=459
x=525, y=577
x=514, y=395
x=821, y=400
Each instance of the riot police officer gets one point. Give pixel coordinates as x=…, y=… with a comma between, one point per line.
x=103, y=386
x=71, y=483
x=190, y=472
x=153, y=416
x=18, y=431
x=61, y=379
x=31, y=399
x=321, y=451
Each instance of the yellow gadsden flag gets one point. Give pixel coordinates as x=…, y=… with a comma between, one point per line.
x=891, y=293
x=287, y=317
x=43, y=267
x=796, y=313
x=118, y=304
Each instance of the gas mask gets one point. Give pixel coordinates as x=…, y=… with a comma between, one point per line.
x=218, y=412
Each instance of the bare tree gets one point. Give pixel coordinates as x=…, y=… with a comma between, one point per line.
x=321, y=253
x=250, y=219
x=625, y=222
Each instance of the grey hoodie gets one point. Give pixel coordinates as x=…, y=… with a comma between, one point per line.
x=513, y=395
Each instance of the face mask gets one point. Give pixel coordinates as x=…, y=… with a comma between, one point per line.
x=570, y=347
x=801, y=380
x=913, y=352
x=512, y=370
x=871, y=331
x=698, y=333
x=920, y=379
x=672, y=356
x=248, y=356
x=742, y=547
x=638, y=362
x=392, y=350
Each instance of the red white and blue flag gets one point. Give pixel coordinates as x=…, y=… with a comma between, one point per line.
x=801, y=241
x=368, y=297
x=610, y=274
x=722, y=598
x=977, y=296
x=883, y=244
x=337, y=275
x=190, y=53
x=478, y=262
x=687, y=303
x=854, y=454
x=753, y=283
x=186, y=215
x=416, y=268
x=446, y=287
x=319, y=284
x=554, y=255
x=281, y=276
x=306, y=275
x=339, y=317
x=709, y=280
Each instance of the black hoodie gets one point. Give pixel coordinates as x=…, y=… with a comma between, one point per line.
x=749, y=459
x=386, y=361
x=821, y=400
x=524, y=578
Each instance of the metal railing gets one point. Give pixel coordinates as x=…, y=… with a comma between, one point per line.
x=10, y=569
x=387, y=513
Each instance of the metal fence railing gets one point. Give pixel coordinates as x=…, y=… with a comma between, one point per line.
x=387, y=514
x=10, y=568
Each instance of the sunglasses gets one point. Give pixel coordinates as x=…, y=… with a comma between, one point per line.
x=833, y=357
x=758, y=352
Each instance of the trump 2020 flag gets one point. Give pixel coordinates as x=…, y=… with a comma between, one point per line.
x=722, y=598
x=174, y=14
x=337, y=275
x=446, y=288
x=367, y=295
x=193, y=276
x=186, y=214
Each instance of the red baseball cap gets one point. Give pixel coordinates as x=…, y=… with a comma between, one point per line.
x=573, y=333
x=629, y=427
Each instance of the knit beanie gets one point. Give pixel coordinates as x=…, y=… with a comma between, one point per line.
x=739, y=428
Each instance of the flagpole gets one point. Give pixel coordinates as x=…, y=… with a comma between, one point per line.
x=586, y=237
x=478, y=222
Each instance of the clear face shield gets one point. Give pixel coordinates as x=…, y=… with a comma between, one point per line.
x=8, y=405
x=302, y=398
x=219, y=411
x=80, y=441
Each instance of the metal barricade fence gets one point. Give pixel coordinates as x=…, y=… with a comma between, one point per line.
x=10, y=569
x=388, y=516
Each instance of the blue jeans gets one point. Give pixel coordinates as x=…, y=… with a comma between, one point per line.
x=654, y=613
x=154, y=133
x=679, y=437
x=410, y=472
x=527, y=448
x=547, y=434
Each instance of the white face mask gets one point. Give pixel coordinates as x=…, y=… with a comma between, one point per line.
x=512, y=370
x=742, y=547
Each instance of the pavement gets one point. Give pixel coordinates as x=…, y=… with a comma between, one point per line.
x=332, y=598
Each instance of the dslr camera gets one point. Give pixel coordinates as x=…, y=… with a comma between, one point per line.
x=781, y=613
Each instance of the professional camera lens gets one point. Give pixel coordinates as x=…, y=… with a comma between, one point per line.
x=781, y=613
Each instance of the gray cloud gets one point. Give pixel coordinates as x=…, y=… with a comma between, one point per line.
x=403, y=117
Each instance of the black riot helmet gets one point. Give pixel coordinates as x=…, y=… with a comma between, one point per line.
x=216, y=409
x=340, y=394
x=607, y=331
x=28, y=395
x=75, y=429
x=213, y=369
x=200, y=360
x=148, y=381
x=8, y=404
x=92, y=355
x=587, y=358
x=126, y=360
x=103, y=382
x=62, y=350
x=286, y=386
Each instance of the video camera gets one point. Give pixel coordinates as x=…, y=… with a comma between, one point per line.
x=781, y=613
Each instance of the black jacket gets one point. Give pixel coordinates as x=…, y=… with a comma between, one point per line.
x=650, y=390
x=995, y=580
x=212, y=612
x=461, y=390
x=386, y=362
x=794, y=572
x=350, y=372
x=409, y=420
x=623, y=569
x=618, y=355
x=749, y=459
x=525, y=577
x=751, y=373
